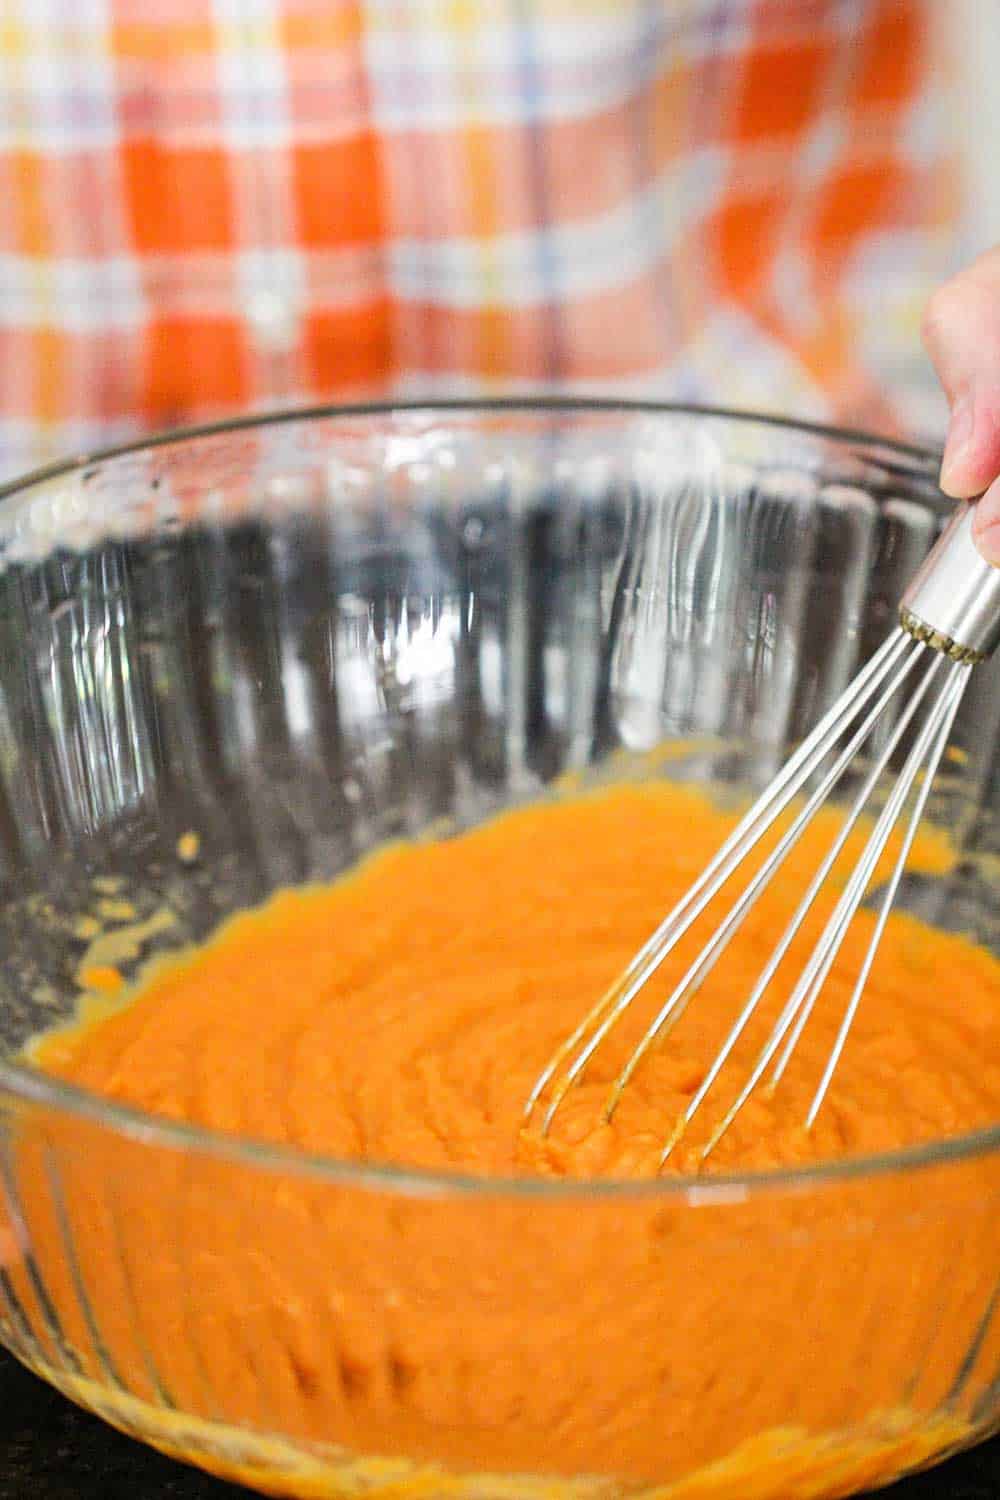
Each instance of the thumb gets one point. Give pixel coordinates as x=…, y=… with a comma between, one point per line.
x=986, y=525
x=962, y=335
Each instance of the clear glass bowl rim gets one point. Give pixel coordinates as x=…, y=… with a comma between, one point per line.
x=33, y=1088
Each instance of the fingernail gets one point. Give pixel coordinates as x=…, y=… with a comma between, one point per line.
x=960, y=429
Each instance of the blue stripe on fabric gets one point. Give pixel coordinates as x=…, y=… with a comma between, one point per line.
x=534, y=127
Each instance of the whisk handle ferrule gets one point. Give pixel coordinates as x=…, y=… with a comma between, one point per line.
x=953, y=601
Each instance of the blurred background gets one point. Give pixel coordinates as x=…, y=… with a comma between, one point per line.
x=215, y=206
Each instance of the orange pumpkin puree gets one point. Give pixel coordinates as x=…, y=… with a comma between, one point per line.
x=401, y=1015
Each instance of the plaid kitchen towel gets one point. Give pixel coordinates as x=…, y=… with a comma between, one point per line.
x=214, y=205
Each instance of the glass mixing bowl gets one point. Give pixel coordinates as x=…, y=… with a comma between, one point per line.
x=243, y=657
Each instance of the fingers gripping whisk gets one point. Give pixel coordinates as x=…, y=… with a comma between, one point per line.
x=913, y=686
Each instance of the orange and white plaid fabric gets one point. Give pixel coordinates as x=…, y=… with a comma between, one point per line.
x=208, y=206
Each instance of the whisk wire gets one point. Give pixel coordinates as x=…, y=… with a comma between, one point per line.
x=956, y=690
x=799, y=1006
x=861, y=876
x=674, y=1007
x=747, y=834
x=812, y=891
x=952, y=609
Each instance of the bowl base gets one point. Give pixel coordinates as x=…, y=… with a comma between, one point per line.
x=783, y=1464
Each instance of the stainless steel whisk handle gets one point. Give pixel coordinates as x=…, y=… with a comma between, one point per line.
x=953, y=601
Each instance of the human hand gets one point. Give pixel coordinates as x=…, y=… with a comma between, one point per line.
x=962, y=336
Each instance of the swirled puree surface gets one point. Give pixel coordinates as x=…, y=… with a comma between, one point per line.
x=780, y=1344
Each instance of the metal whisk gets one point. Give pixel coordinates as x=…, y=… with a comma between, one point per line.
x=949, y=620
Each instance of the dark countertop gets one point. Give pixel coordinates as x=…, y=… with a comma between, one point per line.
x=51, y=1451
